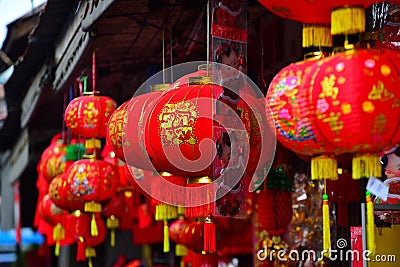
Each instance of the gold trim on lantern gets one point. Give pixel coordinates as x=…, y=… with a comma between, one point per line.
x=200, y=80
x=93, y=143
x=347, y=20
x=317, y=35
x=92, y=207
x=88, y=93
x=160, y=87
x=199, y=180
x=314, y=55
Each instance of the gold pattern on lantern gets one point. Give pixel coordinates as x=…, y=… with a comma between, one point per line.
x=177, y=123
x=379, y=92
x=385, y=70
x=368, y=107
x=328, y=87
x=379, y=124
x=334, y=123
x=346, y=108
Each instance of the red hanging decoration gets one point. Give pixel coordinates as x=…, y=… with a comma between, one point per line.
x=60, y=194
x=116, y=131
x=88, y=115
x=52, y=161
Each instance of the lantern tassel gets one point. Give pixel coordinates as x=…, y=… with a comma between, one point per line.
x=180, y=250
x=366, y=165
x=317, y=35
x=93, y=226
x=112, y=223
x=347, y=20
x=324, y=167
x=370, y=224
x=326, y=225
x=210, y=235
x=81, y=251
x=58, y=235
x=166, y=237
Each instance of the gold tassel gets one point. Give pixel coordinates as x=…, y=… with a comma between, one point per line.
x=58, y=234
x=324, y=167
x=112, y=223
x=180, y=250
x=347, y=20
x=181, y=210
x=92, y=207
x=317, y=35
x=366, y=165
x=370, y=224
x=165, y=212
x=90, y=253
x=93, y=226
x=326, y=223
x=166, y=237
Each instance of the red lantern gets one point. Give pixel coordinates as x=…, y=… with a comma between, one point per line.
x=116, y=131
x=290, y=106
x=93, y=181
x=79, y=227
x=177, y=228
x=88, y=115
x=52, y=161
x=135, y=152
x=355, y=99
x=61, y=195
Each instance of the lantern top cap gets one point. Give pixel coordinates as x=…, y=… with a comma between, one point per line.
x=394, y=9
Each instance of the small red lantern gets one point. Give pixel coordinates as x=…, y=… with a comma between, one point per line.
x=275, y=203
x=88, y=115
x=92, y=180
x=79, y=227
x=177, y=228
x=61, y=196
x=116, y=131
x=52, y=161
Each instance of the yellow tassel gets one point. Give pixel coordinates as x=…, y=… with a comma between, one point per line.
x=180, y=210
x=317, y=35
x=324, y=167
x=93, y=226
x=112, y=238
x=92, y=207
x=366, y=165
x=90, y=253
x=165, y=212
x=370, y=224
x=326, y=223
x=180, y=250
x=90, y=264
x=166, y=237
x=347, y=20
x=58, y=234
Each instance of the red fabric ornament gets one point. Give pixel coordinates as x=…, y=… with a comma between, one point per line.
x=52, y=161
x=116, y=131
x=177, y=228
x=349, y=99
x=88, y=115
x=60, y=194
x=92, y=180
x=135, y=152
x=275, y=210
x=355, y=98
x=201, y=260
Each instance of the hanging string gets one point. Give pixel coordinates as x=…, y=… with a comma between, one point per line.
x=169, y=19
x=208, y=37
x=94, y=73
x=263, y=83
x=163, y=47
x=63, y=126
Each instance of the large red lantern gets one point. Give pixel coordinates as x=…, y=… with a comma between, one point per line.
x=115, y=130
x=93, y=181
x=88, y=115
x=135, y=152
x=355, y=99
x=290, y=106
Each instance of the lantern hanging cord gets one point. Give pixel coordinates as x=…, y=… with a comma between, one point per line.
x=169, y=20
x=208, y=37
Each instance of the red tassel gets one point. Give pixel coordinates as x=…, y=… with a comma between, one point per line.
x=81, y=252
x=210, y=236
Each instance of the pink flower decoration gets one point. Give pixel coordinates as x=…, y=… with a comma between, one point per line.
x=322, y=105
x=284, y=114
